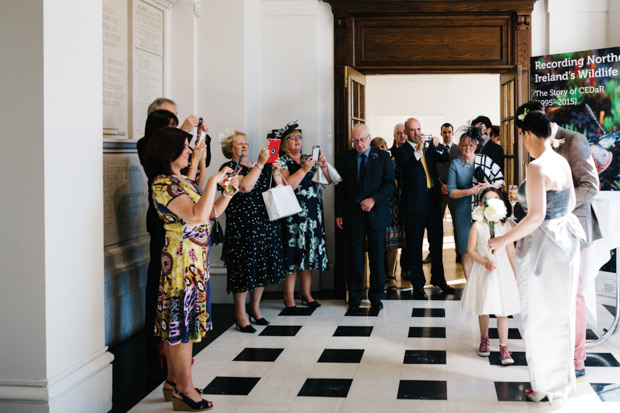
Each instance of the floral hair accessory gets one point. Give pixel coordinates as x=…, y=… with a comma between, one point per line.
x=225, y=135
x=283, y=131
x=522, y=116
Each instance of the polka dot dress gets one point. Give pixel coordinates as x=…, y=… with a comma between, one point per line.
x=252, y=250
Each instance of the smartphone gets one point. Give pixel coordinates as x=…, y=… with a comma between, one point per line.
x=427, y=138
x=200, y=138
x=238, y=162
x=315, y=152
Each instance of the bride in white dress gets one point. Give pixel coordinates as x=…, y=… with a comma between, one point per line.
x=547, y=262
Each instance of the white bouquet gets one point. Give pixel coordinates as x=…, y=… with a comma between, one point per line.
x=491, y=211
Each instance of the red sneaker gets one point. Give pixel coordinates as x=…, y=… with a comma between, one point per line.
x=504, y=356
x=483, y=350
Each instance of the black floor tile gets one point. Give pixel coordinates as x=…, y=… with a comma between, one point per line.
x=601, y=360
x=301, y=311
x=405, y=294
x=591, y=335
x=493, y=316
x=341, y=356
x=280, y=331
x=424, y=357
x=363, y=312
x=259, y=354
x=428, y=312
x=423, y=390
x=517, y=356
x=325, y=388
x=434, y=332
x=512, y=391
x=352, y=331
x=607, y=392
x=233, y=386
x=513, y=333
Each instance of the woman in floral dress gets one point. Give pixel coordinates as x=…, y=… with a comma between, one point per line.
x=303, y=234
x=183, y=307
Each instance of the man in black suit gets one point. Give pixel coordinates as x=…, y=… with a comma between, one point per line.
x=447, y=135
x=487, y=146
x=421, y=201
x=362, y=210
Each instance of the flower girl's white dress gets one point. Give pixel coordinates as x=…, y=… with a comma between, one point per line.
x=491, y=292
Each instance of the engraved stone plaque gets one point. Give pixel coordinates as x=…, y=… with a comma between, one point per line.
x=125, y=197
x=148, y=60
x=115, y=69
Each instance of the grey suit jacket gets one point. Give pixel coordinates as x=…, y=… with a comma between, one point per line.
x=442, y=168
x=576, y=151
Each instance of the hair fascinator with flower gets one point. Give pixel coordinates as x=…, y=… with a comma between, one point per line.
x=222, y=136
x=283, y=131
x=522, y=116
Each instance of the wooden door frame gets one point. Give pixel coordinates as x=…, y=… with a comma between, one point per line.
x=367, y=38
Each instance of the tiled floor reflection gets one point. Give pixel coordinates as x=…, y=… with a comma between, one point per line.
x=412, y=356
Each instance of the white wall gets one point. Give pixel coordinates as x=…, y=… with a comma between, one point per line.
x=560, y=26
x=432, y=99
x=53, y=355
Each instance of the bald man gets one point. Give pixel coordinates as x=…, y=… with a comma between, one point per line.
x=363, y=212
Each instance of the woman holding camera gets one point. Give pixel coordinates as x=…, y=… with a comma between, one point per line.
x=183, y=306
x=303, y=234
x=252, y=249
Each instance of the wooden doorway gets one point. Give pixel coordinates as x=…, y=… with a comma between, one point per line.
x=430, y=37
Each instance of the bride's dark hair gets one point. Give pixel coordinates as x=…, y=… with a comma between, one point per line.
x=531, y=117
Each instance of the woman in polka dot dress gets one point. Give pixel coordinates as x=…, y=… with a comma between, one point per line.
x=252, y=249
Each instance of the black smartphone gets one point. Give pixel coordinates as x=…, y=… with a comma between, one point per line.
x=315, y=152
x=237, y=166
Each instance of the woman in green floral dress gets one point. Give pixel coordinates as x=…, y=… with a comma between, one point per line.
x=303, y=234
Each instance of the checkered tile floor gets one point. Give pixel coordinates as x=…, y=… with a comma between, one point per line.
x=413, y=356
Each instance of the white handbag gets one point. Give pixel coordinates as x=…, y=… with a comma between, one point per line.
x=334, y=176
x=281, y=201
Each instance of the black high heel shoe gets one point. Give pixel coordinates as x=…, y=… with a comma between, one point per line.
x=259, y=321
x=246, y=329
x=292, y=310
x=311, y=304
x=185, y=404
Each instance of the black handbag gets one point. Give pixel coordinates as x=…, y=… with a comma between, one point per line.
x=217, y=233
x=480, y=175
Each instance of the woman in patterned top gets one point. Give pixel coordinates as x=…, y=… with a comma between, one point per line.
x=183, y=307
x=303, y=234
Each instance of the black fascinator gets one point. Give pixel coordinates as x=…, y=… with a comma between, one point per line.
x=473, y=133
x=283, y=131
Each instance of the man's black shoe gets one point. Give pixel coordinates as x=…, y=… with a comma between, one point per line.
x=419, y=294
x=427, y=260
x=377, y=305
x=445, y=288
x=354, y=307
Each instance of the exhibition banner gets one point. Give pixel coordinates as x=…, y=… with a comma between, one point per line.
x=581, y=91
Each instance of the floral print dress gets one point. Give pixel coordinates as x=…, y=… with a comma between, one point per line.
x=303, y=234
x=184, y=301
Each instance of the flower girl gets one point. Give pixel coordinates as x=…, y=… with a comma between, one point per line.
x=491, y=287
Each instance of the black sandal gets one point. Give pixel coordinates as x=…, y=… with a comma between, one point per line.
x=168, y=392
x=185, y=404
x=391, y=287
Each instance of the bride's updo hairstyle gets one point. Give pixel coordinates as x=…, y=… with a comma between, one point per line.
x=530, y=117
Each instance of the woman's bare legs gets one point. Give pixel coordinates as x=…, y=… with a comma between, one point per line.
x=502, y=329
x=289, y=289
x=255, y=297
x=179, y=356
x=391, y=262
x=241, y=315
x=305, y=285
x=483, y=321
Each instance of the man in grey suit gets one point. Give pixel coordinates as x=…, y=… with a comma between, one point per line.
x=575, y=149
x=447, y=134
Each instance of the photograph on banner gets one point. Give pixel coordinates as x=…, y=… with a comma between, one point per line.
x=581, y=92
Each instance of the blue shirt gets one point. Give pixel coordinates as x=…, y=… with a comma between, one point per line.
x=359, y=159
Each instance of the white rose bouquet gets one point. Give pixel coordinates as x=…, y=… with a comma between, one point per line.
x=491, y=211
